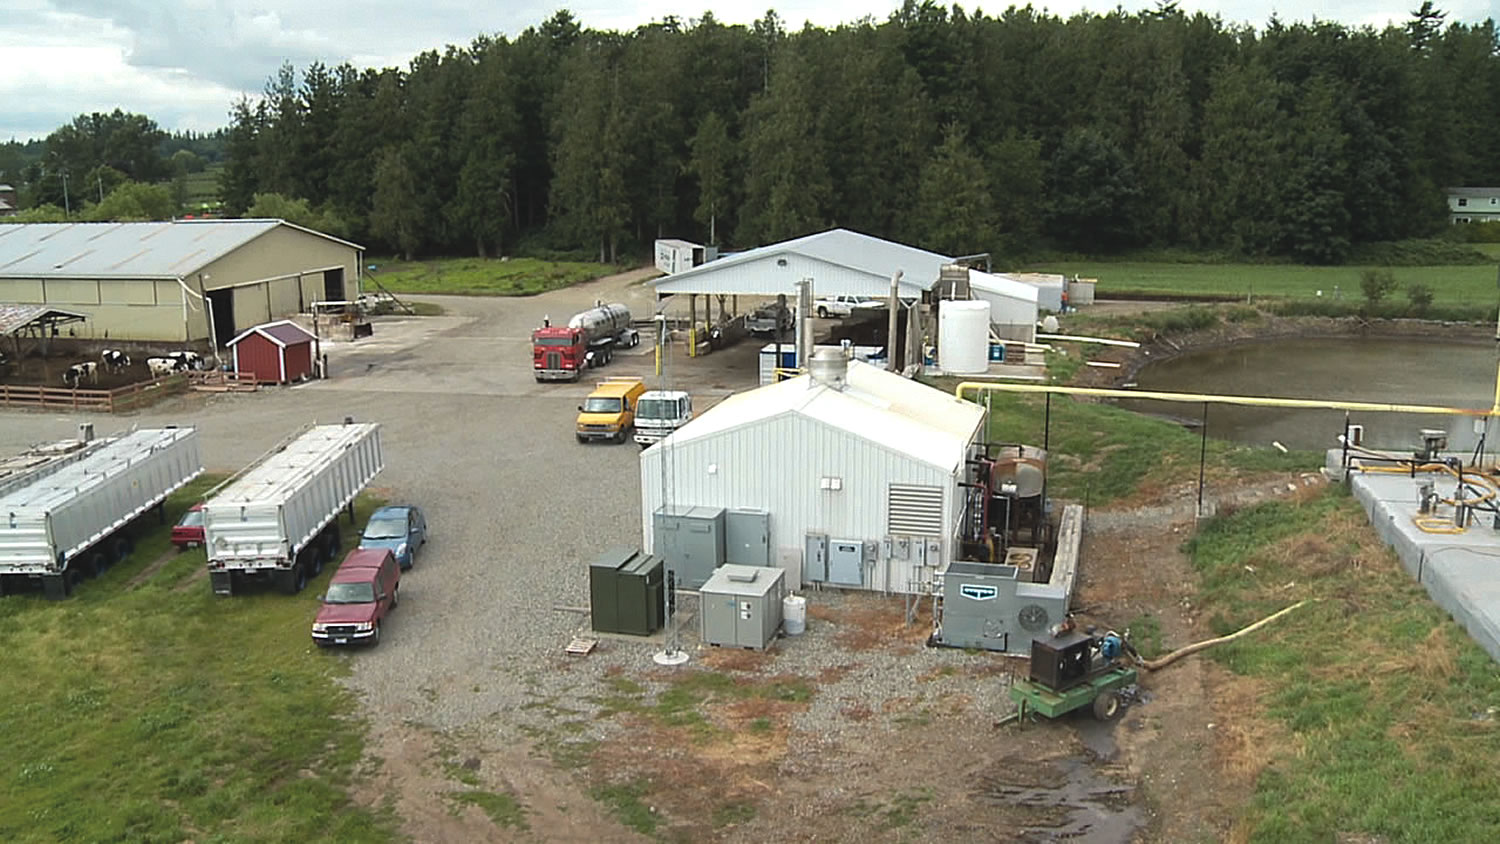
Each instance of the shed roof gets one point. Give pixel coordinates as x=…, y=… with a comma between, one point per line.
x=127, y=250
x=1000, y=284
x=882, y=407
x=840, y=247
x=13, y=318
x=282, y=332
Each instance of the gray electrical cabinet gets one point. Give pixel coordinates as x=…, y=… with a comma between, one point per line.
x=747, y=537
x=690, y=542
x=740, y=606
x=846, y=562
x=815, y=558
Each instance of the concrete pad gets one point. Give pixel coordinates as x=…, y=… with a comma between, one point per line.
x=1460, y=571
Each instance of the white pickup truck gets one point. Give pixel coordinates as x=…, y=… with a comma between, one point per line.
x=842, y=306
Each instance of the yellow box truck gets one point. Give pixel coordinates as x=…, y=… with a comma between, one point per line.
x=609, y=411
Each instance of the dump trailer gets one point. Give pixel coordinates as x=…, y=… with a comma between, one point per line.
x=277, y=520
x=75, y=517
x=39, y=460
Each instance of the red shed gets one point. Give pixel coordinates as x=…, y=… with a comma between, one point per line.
x=277, y=351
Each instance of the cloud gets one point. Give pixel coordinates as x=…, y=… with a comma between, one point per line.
x=184, y=61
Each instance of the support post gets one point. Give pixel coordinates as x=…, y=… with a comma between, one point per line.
x=891, y=364
x=1202, y=457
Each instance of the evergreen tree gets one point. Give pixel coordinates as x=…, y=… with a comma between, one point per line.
x=955, y=211
x=712, y=156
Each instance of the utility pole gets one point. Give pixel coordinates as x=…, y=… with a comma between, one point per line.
x=67, y=205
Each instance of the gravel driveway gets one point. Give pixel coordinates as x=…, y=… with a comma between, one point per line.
x=516, y=507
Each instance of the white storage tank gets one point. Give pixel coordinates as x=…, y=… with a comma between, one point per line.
x=964, y=336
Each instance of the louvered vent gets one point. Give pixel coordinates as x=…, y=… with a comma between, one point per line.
x=916, y=510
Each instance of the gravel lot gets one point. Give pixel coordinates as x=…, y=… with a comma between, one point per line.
x=516, y=510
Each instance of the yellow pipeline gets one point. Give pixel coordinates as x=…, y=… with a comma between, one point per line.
x=1252, y=401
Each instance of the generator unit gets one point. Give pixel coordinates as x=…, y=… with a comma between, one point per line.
x=989, y=606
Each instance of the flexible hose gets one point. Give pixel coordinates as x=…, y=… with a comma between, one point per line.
x=1164, y=661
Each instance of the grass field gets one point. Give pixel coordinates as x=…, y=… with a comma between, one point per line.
x=484, y=276
x=1451, y=285
x=1387, y=713
x=160, y=712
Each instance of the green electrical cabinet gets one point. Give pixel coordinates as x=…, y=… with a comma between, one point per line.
x=627, y=592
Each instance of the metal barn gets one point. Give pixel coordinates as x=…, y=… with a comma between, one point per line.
x=858, y=469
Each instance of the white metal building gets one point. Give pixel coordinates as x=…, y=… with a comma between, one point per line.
x=839, y=261
x=848, y=454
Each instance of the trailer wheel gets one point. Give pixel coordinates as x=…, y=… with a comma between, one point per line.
x=299, y=579
x=122, y=550
x=1107, y=706
x=98, y=563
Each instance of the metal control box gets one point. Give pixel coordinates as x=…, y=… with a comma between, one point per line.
x=747, y=537
x=740, y=606
x=627, y=592
x=690, y=542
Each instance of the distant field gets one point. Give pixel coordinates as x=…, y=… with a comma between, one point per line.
x=483, y=276
x=1451, y=285
x=204, y=187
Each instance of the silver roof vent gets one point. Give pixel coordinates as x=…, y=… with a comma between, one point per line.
x=829, y=368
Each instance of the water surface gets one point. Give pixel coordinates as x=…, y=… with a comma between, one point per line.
x=1403, y=371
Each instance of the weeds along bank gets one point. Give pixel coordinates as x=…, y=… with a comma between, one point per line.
x=1375, y=715
x=1166, y=334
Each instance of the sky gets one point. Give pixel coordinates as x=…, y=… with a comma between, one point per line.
x=182, y=62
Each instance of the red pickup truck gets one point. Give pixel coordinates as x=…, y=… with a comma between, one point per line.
x=362, y=592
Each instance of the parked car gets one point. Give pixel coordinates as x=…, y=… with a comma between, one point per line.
x=400, y=528
x=363, y=591
x=842, y=306
x=188, y=533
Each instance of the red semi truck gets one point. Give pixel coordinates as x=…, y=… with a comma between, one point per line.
x=562, y=353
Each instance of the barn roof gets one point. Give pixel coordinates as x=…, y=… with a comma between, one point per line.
x=13, y=318
x=897, y=413
x=170, y=249
x=283, y=333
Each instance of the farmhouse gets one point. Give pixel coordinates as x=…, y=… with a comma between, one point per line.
x=181, y=281
x=1473, y=205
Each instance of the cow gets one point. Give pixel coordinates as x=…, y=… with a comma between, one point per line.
x=114, y=360
x=162, y=367
x=190, y=360
x=79, y=372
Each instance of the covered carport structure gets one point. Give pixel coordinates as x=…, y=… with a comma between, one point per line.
x=837, y=262
x=40, y=322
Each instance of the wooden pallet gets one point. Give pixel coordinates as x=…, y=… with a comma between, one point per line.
x=581, y=646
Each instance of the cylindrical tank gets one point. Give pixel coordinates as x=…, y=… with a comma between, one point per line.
x=829, y=367
x=964, y=336
x=794, y=615
x=603, y=321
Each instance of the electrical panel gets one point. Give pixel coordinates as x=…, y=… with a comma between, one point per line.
x=846, y=562
x=815, y=561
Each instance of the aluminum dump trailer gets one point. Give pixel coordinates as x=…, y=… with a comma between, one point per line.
x=66, y=521
x=35, y=462
x=278, y=519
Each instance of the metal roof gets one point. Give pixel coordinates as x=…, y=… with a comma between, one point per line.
x=13, y=318
x=1000, y=284
x=282, y=332
x=283, y=472
x=127, y=250
x=859, y=253
x=897, y=413
x=108, y=460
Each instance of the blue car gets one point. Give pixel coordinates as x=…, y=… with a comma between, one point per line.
x=399, y=527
